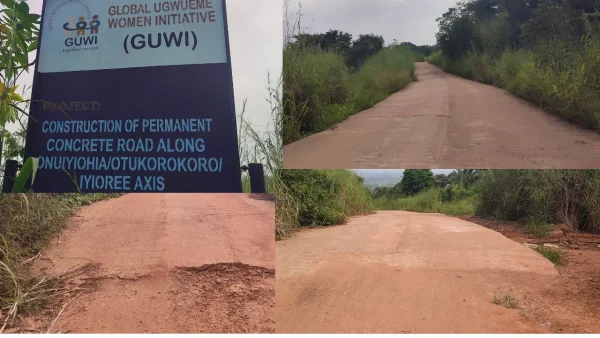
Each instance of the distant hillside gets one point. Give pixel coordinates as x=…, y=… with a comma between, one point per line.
x=379, y=178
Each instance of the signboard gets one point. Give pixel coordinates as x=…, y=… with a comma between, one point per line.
x=134, y=96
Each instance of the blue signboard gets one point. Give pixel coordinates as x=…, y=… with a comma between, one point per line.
x=134, y=96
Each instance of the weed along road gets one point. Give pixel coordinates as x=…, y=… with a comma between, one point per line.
x=444, y=121
x=168, y=263
x=400, y=272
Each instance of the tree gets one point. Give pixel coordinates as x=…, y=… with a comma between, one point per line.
x=19, y=31
x=425, y=50
x=442, y=180
x=416, y=180
x=465, y=177
x=456, y=36
x=364, y=47
x=334, y=41
x=382, y=192
x=18, y=37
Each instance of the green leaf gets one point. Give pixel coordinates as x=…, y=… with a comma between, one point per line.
x=33, y=17
x=22, y=44
x=33, y=46
x=21, y=58
x=8, y=3
x=29, y=169
x=23, y=9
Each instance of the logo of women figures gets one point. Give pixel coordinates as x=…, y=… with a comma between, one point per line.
x=81, y=26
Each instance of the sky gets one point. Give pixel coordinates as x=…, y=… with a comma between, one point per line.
x=403, y=20
x=388, y=177
x=255, y=31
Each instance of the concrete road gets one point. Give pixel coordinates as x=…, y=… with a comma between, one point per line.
x=444, y=121
x=395, y=272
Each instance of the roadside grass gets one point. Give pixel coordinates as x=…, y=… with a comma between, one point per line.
x=567, y=87
x=507, y=301
x=310, y=198
x=263, y=146
x=429, y=201
x=27, y=223
x=539, y=198
x=320, y=90
x=553, y=255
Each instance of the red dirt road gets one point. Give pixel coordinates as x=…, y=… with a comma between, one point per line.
x=444, y=121
x=400, y=272
x=169, y=263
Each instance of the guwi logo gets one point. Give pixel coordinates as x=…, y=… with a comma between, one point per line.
x=86, y=33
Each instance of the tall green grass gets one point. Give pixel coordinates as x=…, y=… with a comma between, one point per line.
x=429, y=201
x=538, y=199
x=264, y=147
x=27, y=223
x=561, y=79
x=319, y=90
x=318, y=198
x=542, y=197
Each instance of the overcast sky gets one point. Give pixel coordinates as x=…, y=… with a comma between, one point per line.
x=255, y=32
x=403, y=20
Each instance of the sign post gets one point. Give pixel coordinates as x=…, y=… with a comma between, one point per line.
x=134, y=96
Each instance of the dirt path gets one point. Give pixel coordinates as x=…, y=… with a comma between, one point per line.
x=396, y=271
x=169, y=263
x=444, y=121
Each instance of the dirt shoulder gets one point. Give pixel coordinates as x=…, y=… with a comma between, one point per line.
x=570, y=302
x=164, y=263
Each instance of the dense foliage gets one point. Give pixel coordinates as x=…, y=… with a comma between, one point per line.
x=318, y=198
x=537, y=198
x=328, y=77
x=355, y=53
x=544, y=51
x=19, y=31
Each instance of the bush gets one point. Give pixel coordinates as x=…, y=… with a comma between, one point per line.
x=320, y=91
x=313, y=81
x=542, y=197
x=437, y=59
x=550, y=59
x=429, y=201
x=319, y=198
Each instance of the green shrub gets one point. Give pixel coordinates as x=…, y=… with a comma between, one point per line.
x=319, y=198
x=566, y=83
x=437, y=59
x=542, y=197
x=429, y=201
x=319, y=90
x=455, y=192
x=313, y=80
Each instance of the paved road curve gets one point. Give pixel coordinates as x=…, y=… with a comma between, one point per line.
x=170, y=263
x=444, y=121
x=396, y=271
